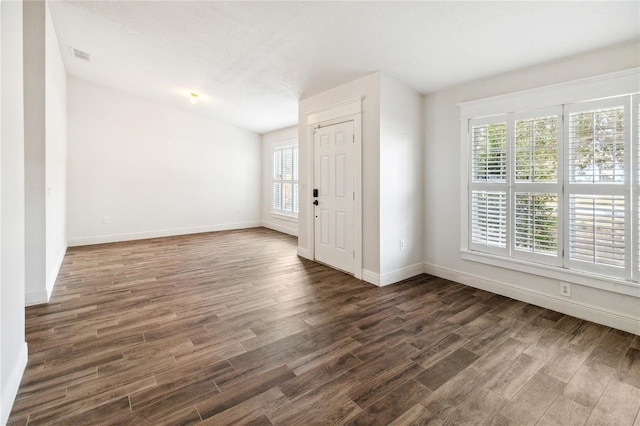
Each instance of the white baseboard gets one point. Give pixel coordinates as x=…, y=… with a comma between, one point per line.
x=281, y=228
x=306, y=253
x=393, y=276
x=85, y=241
x=579, y=310
x=13, y=384
x=38, y=298
x=53, y=275
x=371, y=277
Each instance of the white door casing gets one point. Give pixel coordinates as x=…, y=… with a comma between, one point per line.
x=334, y=180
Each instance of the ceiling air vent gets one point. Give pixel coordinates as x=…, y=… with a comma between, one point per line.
x=80, y=54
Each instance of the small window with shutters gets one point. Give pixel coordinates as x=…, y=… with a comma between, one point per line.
x=285, y=180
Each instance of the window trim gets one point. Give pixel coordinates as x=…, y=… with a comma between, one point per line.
x=604, y=86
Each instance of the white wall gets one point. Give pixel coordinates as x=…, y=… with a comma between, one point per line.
x=55, y=155
x=401, y=183
x=442, y=193
x=13, y=348
x=288, y=225
x=45, y=153
x=392, y=188
x=152, y=170
x=368, y=88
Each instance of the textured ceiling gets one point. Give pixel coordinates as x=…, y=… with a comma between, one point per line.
x=252, y=61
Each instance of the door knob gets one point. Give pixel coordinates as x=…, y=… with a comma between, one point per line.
x=315, y=202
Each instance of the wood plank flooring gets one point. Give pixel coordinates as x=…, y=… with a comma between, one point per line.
x=234, y=328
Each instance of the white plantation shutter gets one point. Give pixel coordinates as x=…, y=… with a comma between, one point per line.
x=536, y=185
x=597, y=186
x=597, y=229
x=489, y=218
x=597, y=145
x=277, y=196
x=488, y=203
x=285, y=180
x=489, y=152
x=277, y=164
x=535, y=228
x=536, y=149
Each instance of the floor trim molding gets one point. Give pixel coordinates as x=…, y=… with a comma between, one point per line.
x=38, y=298
x=85, y=241
x=289, y=230
x=13, y=384
x=51, y=279
x=579, y=310
x=392, y=277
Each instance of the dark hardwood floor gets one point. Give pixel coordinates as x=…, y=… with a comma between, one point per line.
x=234, y=328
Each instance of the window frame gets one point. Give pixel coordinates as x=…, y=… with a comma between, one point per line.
x=600, y=189
x=599, y=87
x=539, y=187
x=282, y=146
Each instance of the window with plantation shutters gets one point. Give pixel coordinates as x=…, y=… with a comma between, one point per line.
x=597, y=186
x=557, y=186
x=285, y=180
x=515, y=186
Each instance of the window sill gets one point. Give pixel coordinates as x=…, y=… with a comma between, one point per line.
x=613, y=285
x=282, y=216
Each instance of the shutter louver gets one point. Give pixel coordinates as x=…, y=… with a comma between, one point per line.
x=287, y=197
x=277, y=165
x=536, y=149
x=597, y=229
x=287, y=164
x=489, y=151
x=536, y=223
x=489, y=218
x=277, y=196
x=596, y=148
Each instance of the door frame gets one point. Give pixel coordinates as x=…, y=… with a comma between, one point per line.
x=349, y=110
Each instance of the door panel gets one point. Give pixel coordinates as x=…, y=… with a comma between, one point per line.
x=333, y=177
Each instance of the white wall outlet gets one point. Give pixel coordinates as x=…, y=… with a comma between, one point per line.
x=565, y=289
x=105, y=220
x=401, y=244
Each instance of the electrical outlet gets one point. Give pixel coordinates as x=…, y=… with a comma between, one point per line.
x=565, y=289
x=105, y=220
x=401, y=244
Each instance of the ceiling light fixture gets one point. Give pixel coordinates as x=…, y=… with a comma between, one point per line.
x=194, y=97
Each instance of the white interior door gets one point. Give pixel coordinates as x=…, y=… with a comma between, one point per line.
x=334, y=209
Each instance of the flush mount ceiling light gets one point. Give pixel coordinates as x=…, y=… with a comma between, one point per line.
x=193, y=96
